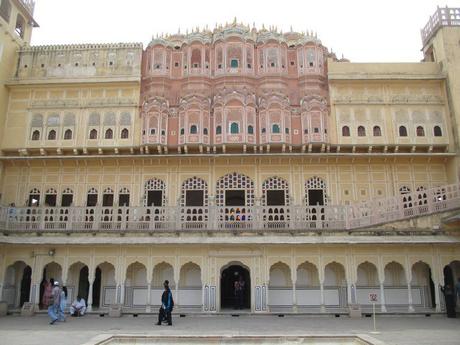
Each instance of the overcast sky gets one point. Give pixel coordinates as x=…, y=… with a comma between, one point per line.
x=364, y=31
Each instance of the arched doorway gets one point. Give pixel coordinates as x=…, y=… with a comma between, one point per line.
x=229, y=275
x=17, y=282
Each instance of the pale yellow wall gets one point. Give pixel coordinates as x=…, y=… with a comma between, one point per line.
x=445, y=47
x=389, y=104
x=81, y=100
x=347, y=180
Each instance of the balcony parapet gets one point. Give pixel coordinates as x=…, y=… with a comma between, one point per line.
x=444, y=16
x=257, y=219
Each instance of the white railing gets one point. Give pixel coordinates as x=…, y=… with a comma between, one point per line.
x=230, y=218
x=444, y=16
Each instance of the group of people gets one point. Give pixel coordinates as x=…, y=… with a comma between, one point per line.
x=55, y=300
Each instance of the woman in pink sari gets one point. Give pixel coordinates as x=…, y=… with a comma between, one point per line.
x=47, y=293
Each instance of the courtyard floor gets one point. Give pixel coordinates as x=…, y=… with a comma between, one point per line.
x=394, y=330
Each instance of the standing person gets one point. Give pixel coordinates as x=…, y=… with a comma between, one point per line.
x=449, y=297
x=53, y=308
x=236, y=293
x=242, y=285
x=63, y=303
x=167, y=305
x=48, y=288
x=457, y=290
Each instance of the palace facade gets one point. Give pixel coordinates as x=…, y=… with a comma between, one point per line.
x=223, y=153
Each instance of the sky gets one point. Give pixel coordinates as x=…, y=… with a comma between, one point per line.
x=363, y=31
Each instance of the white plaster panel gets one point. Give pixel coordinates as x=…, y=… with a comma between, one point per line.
x=279, y=297
x=307, y=297
x=190, y=297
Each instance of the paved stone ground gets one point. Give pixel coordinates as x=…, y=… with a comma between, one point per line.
x=395, y=330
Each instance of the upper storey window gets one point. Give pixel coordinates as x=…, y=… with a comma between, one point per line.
x=193, y=129
x=234, y=63
x=275, y=128
x=196, y=58
x=420, y=131
x=20, y=26
x=345, y=131
x=218, y=130
x=402, y=131
x=5, y=10
x=361, y=131
x=377, y=131
x=311, y=58
x=437, y=131
x=234, y=128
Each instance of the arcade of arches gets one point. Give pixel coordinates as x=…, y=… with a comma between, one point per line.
x=277, y=278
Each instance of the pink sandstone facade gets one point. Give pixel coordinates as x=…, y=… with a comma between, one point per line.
x=234, y=88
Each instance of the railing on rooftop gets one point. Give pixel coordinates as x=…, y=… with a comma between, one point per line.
x=215, y=218
x=444, y=16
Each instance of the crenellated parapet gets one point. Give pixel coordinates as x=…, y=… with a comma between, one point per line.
x=235, y=49
x=79, y=62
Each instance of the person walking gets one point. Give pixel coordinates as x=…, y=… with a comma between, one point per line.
x=167, y=305
x=53, y=308
x=63, y=303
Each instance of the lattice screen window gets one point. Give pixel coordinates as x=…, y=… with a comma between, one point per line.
x=234, y=181
x=315, y=184
x=406, y=197
x=154, y=185
x=275, y=184
x=422, y=197
x=194, y=184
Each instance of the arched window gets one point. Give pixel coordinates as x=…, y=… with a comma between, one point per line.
x=377, y=131
x=218, y=130
x=406, y=197
x=20, y=26
x=437, y=131
x=361, y=131
x=93, y=134
x=345, y=131
x=250, y=129
x=182, y=131
x=275, y=128
x=234, y=128
x=286, y=130
x=402, y=131
x=52, y=135
x=68, y=134
x=36, y=135
x=109, y=134
x=124, y=133
x=264, y=130
x=420, y=131
x=193, y=129
x=205, y=131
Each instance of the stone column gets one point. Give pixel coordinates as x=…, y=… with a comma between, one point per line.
x=148, y=308
x=89, y=306
x=323, y=304
x=437, y=296
x=294, y=292
x=122, y=293
x=383, y=307
x=409, y=296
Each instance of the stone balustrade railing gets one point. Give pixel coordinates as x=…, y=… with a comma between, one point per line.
x=230, y=218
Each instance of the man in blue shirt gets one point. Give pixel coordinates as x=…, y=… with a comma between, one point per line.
x=167, y=304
